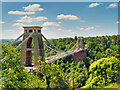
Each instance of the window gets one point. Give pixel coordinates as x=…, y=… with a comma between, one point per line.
x=39, y=31
x=26, y=31
x=34, y=30
x=30, y=30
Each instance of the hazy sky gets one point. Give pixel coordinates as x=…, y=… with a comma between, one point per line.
x=60, y=19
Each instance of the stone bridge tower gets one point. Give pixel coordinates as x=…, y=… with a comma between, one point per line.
x=38, y=48
x=79, y=56
x=80, y=43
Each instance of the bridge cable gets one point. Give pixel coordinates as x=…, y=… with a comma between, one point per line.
x=72, y=47
x=20, y=44
x=24, y=40
x=51, y=43
x=51, y=48
x=62, y=55
x=16, y=39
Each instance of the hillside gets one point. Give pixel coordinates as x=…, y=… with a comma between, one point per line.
x=101, y=69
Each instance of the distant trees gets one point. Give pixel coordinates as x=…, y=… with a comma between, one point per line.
x=102, y=47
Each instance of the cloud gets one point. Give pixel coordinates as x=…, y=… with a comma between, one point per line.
x=44, y=28
x=68, y=31
x=8, y=30
x=94, y=5
x=30, y=9
x=113, y=5
x=82, y=20
x=59, y=29
x=20, y=13
x=67, y=17
x=33, y=7
x=90, y=28
x=72, y=32
x=50, y=24
x=59, y=22
x=117, y=22
x=97, y=26
x=19, y=25
x=1, y=22
x=30, y=19
x=81, y=28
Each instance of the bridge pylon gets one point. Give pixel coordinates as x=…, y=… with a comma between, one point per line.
x=81, y=55
x=29, y=46
x=80, y=43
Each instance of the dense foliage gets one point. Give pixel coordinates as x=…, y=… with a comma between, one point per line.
x=13, y=73
x=103, y=72
x=101, y=47
x=100, y=69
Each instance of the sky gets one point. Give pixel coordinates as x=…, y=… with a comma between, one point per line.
x=60, y=19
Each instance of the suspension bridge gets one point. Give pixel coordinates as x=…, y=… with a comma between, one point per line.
x=34, y=33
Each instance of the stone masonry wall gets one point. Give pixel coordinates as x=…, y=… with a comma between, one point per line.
x=80, y=56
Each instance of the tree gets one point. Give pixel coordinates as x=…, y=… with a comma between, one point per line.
x=14, y=74
x=75, y=37
x=103, y=72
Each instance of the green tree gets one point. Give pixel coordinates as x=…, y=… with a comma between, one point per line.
x=14, y=74
x=103, y=72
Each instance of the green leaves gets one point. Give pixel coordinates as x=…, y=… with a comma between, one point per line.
x=14, y=74
x=103, y=72
x=102, y=47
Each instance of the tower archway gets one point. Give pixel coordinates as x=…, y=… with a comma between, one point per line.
x=33, y=46
x=29, y=43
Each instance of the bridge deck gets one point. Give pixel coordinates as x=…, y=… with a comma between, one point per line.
x=59, y=56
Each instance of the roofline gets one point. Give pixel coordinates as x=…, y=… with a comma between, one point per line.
x=32, y=27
